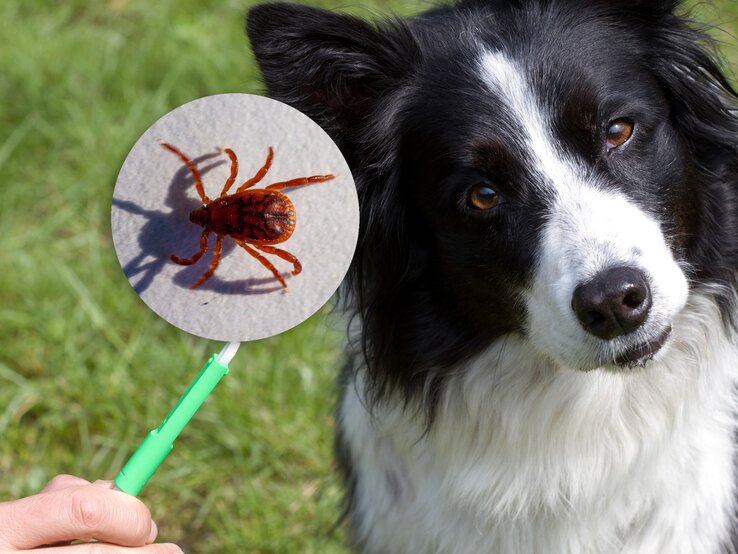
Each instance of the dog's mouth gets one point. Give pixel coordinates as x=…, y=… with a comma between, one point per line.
x=639, y=354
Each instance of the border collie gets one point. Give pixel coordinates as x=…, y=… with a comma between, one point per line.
x=544, y=354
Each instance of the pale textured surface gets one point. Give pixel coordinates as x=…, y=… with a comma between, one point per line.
x=155, y=193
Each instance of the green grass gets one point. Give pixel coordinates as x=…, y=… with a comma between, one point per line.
x=85, y=368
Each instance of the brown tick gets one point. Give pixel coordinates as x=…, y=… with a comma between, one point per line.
x=255, y=218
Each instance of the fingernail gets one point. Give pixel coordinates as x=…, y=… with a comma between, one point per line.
x=154, y=531
x=104, y=484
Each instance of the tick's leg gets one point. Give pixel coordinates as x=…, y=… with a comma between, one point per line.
x=266, y=263
x=193, y=259
x=297, y=266
x=259, y=174
x=234, y=171
x=192, y=168
x=216, y=260
x=300, y=181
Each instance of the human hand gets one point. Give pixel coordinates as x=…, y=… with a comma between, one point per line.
x=72, y=509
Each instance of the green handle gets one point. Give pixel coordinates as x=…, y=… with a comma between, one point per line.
x=159, y=442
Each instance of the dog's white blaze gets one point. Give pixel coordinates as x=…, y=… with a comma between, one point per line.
x=590, y=229
x=524, y=113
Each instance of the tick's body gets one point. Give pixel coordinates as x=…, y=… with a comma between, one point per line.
x=254, y=216
x=251, y=217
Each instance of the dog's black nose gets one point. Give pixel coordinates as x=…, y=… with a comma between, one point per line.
x=615, y=302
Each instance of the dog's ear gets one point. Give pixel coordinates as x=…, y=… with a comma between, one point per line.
x=702, y=100
x=641, y=9
x=704, y=109
x=330, y=66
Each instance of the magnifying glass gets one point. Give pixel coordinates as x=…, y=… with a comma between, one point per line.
x=235, y=218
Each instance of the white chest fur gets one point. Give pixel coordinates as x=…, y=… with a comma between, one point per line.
x=526, y=457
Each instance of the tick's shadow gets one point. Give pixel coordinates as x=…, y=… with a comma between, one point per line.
x=171, y=232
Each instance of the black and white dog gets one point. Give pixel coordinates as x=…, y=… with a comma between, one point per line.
x=545, y=285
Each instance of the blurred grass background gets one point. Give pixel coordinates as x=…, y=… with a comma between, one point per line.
x=85, y=368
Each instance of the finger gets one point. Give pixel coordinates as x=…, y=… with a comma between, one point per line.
x=61, y=482
x=112, y=486
x=64, y=482
x=100, y=548
x=76, y=513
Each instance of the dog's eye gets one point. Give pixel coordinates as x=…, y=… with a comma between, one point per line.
x=618, y=133
x=482, y=197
